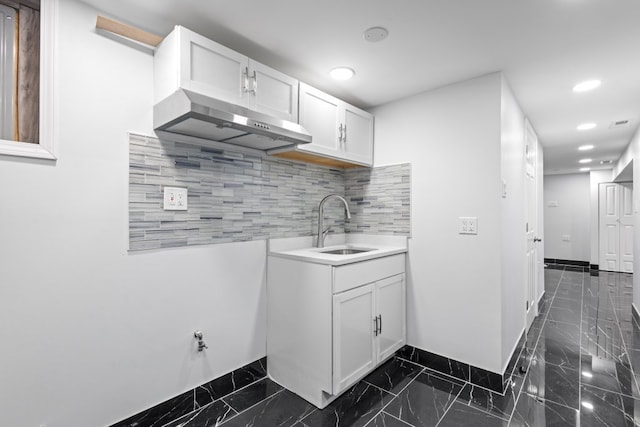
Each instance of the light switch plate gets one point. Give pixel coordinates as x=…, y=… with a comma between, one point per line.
x=175, y=199
x=468, y=225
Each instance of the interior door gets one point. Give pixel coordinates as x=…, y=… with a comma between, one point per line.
x=354, y=323
x=626, y=228
x=616, y=227
x=531, y=227
x=609, y=201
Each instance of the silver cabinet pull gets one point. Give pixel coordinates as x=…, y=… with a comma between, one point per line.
x=375, y=326
x=379, y=324
x=245, y=80
x=344, y=138
x=341, y=129
x=254, y=87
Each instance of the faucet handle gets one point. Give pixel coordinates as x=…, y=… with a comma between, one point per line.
x=326, y=231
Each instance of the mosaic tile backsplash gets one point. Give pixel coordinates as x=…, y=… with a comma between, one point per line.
x=238, y=197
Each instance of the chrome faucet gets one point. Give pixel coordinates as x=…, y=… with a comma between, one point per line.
x=321, y=231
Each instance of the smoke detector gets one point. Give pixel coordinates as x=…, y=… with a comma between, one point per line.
x=375, y=34
x=618, y=124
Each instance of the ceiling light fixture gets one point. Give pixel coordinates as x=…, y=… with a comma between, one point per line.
x=585, y=147
x=342, y=73
x=588, y=85
x=585, y=160
x=586, y=126
x=585, y=170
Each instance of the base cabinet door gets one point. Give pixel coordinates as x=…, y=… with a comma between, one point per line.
x=390, y=303
x=353, y=329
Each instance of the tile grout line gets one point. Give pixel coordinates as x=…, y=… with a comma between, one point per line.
x=394, y=395
x=250, y=407
x=535, y=346
x=580, y=342
x=626, y=348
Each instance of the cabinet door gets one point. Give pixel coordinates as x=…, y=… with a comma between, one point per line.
x=353, y=329
x=273, y=92
x=211, y=69
x=390, y=304
x=358, y=137
x=319, y=114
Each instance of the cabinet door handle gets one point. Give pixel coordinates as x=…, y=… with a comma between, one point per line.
x=344, y=138
x=254, y=88
x=379, y=324
x=340, y=139
x=245, y=80
x=375, y=326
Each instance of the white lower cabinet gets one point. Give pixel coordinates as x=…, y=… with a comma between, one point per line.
x=329, y=326
x=368, y=327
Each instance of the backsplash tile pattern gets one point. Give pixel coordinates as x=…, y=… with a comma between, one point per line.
x=380, y=200
x=238, y=197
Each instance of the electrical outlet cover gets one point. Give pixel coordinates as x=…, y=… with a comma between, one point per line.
x=175, y=199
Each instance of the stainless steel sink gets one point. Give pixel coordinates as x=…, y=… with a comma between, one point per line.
x=347, y=251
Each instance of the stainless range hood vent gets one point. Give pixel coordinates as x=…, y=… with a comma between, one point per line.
x=187, y=115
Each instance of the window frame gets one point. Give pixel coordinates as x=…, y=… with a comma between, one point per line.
x=46, y=149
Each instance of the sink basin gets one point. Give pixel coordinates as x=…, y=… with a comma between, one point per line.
x=347, y=251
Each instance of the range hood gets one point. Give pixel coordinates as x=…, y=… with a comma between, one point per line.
x=187, y=116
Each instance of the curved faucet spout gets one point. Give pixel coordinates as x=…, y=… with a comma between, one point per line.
x=321, y=216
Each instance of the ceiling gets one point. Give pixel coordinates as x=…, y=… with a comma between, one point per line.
x=544, y=47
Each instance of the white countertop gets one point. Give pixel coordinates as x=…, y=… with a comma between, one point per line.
x=303, y=248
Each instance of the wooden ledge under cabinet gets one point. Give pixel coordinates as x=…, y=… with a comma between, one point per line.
x=318, y=160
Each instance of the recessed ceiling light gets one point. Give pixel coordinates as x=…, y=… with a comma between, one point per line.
x=585, y=147
x=588, y=85
x=342, y=73
x=585, y=160
x=585, y=170
x=586, y=126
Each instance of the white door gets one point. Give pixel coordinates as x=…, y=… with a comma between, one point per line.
x=212, y=69
x=320, y=115
x=616, y=227
x=354, y=325
x=273, y=92
x=531, y=226
x=626, y=228
x=357, y=140
x=390, y=304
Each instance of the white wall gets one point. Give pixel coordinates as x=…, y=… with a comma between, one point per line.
x=631, y=153
x=91, y=334
x=595, y=178
x=513, y=245
x=572, y=192
x=452, y=137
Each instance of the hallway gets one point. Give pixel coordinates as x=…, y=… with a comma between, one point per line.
x=582, y=361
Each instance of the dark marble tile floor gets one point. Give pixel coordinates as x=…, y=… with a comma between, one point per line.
x=580, y=367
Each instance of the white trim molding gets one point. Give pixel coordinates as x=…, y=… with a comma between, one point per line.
x=46, y=149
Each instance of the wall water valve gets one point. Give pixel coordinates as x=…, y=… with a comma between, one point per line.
x=201, y=342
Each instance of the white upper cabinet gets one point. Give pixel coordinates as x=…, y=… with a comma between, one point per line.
x=339, y=130
x=273, y=92
x=190, y=61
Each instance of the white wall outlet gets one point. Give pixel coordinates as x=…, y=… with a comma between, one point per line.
x=553, y=204
x=175, y=199
x=566, y=238
x=468, y=225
